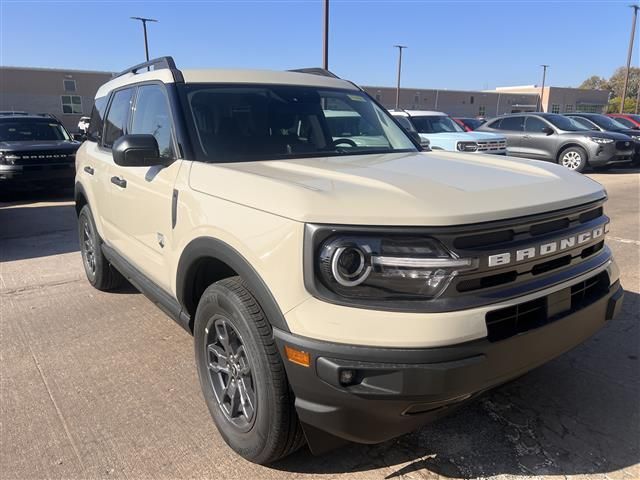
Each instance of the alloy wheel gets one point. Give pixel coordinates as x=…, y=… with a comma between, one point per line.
x=230, y=372
x=88, y=247
x=572, y=160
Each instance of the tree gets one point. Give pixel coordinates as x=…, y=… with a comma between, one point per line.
x=617, y=81
x=614, y=105
x=595, y=83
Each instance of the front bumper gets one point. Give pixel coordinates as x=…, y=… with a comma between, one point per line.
x=397, y=390
x=607, y=154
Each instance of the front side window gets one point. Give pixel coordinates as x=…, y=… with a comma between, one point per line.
x=514, y=124
x=435, y=124
x=565, y=123
x=261, y=122
x=152, y=116
x=117, y=116
x=626, y=122
x=71, y=104
x=535, y=125
x=25, y=130
x=607, y=123
x=587, y=124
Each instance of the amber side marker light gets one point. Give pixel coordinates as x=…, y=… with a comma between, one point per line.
x=297, y=356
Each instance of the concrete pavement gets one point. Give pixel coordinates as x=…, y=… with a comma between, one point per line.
x=96, y=385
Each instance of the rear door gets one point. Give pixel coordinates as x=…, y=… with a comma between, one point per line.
x=143, y=196
x=537, y=142
x=513, y=129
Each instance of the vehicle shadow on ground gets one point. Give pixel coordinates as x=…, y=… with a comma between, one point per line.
x=30, y=230
x=579, y=414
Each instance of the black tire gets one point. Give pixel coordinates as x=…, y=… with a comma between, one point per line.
x=272, y=430
x=574, y=158
x=100, y=273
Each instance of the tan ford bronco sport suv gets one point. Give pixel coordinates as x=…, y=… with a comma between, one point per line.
x=340, y=283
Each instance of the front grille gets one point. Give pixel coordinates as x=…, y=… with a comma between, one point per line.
x=35, y=158
x=509, y=321
x=623, y=145
x=491, y=145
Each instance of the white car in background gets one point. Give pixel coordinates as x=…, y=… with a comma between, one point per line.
x=444, y=133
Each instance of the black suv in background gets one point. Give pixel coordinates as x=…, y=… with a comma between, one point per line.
x=556, y=138
x=35, y=150
x=602, y=123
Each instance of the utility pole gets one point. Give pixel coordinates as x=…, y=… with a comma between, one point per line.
x=325, y=37
x=400, y=48
x=638, y=97
x=144, y=28
x=544, y=76
x=631, y=38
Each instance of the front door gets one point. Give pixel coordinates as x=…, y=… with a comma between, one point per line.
x=143, y=196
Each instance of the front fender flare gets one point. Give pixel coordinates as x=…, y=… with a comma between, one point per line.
x=208, y=247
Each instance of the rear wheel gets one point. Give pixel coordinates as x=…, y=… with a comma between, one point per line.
x=100, y=273
x=573, y=158
x=242, y=375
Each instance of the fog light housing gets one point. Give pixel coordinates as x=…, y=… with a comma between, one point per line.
x=347, y=377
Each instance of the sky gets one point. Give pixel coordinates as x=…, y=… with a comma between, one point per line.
x=451, y=44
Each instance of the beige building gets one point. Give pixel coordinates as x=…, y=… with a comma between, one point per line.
x=492, y=103
x=68, y=94
x=565, y=100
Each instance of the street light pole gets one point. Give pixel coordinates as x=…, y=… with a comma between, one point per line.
x=544, y=76
x=630, y=51
x=400, y=48
x=144, y=28
x=325, y=37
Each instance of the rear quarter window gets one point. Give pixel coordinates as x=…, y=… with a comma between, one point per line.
x=96, y=124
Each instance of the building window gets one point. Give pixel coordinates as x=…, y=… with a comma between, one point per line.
x=482, y=110
x=589, y=108
x=555, y=108
x=69, y=85
x=71, y=104
x=471, y=100
x=568, y=108
x=378, y=97
x=425, y=100
x=416, y=99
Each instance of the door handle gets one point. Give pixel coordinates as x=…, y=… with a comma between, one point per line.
x=89, y=170
x=119, y=181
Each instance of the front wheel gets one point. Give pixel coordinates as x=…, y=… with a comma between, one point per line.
x=573, y=158
x=242, y=376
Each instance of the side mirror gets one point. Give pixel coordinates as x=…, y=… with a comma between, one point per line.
x=139, y=150
x=548, y=130
x=79, y=137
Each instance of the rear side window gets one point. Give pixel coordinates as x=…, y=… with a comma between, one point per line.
x=495, y=124
x=117, y=116
x=152, y=116
x=535, y=125
x=513, y=124
x=96, y=124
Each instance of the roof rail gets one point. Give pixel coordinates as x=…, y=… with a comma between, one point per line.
x=157, y=64
x=315, y=71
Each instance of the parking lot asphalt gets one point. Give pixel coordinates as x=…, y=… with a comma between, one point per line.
x=97, y=385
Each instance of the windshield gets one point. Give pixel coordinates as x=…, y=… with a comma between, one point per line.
x=607, y=123
x=565, y=123
x=263, y=122
x=435, y=124
x=16, y=130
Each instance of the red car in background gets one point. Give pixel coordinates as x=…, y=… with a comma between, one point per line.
x=469, y=124
x=629, y=120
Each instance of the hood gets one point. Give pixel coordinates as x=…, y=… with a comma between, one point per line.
x=598, y=133
x=424, y=188
x=39, y=146
x=475, y=135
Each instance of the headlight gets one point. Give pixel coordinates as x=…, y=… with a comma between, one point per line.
x=636, y=137
x=386, y=267
x=601, y=140
x=467, y=146
x=2, y=160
